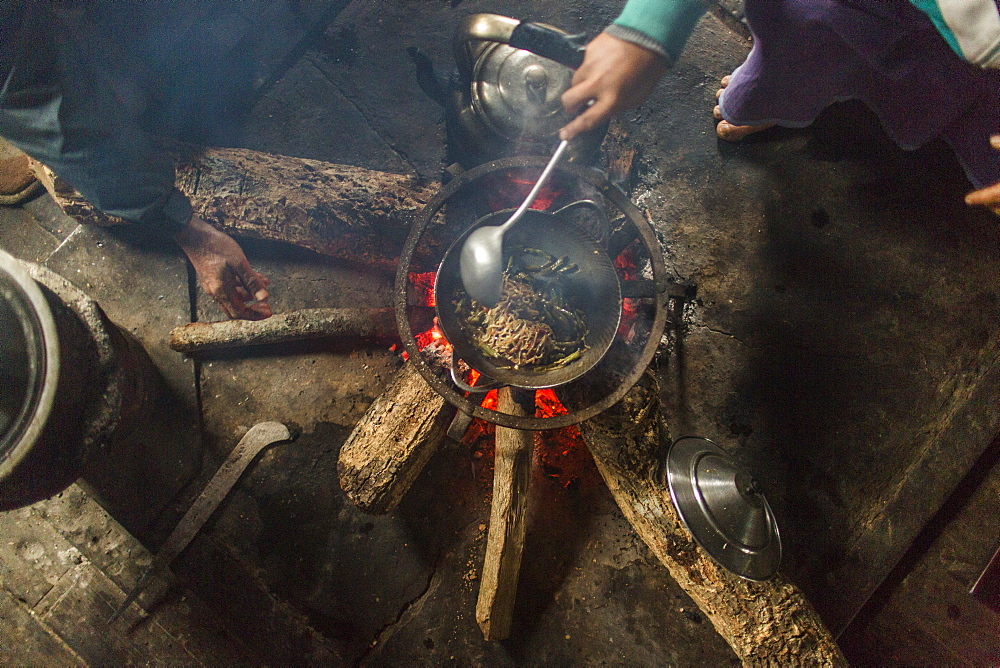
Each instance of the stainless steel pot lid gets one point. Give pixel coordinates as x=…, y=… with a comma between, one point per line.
x=723, y=508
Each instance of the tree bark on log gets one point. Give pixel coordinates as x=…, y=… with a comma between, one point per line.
x=508, y=518
x=281, y=327
x=764, y=622
x=392, y=443
x=351, y=213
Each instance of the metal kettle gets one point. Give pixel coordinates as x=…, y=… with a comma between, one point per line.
x=505, y=98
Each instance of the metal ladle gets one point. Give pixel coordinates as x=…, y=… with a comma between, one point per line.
x=481, y=261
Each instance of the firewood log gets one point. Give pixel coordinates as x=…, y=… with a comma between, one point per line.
x=392, y=443
x=351, y=213
x=508, y=521
x=310, y=323
x=764, y=622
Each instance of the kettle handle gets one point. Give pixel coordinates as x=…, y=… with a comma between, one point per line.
x=545, y=40
x=549, y=42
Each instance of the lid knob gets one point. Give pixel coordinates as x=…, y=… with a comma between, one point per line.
x=536, y=83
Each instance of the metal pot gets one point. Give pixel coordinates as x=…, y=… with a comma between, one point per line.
x=593, y=289
x=29, y=364
x=72, y=381
x=506, y=98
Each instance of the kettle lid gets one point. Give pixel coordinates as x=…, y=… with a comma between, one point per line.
x=518, y=92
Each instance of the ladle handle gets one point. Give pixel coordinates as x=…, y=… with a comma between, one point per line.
x=538, y=185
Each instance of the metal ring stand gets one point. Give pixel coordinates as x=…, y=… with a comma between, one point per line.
x=657, y=291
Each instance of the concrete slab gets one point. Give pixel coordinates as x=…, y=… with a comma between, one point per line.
x=845, y=319
x=142, y=285
x=64, y=560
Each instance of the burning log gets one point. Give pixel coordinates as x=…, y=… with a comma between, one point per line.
x=393, y=442
x=508, y=521
x=351, y=213
x=291, y=326
x=764, y=622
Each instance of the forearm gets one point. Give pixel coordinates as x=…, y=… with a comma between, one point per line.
x=662, y=26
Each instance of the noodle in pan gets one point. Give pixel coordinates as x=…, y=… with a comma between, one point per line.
x=532, y=327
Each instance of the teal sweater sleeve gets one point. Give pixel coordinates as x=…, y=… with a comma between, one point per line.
x=660, y=25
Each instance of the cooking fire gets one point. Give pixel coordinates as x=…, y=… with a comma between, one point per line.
x=352, y=333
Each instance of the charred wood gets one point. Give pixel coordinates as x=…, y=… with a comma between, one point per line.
x=355, y=214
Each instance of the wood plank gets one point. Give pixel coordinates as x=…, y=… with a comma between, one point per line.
x=70, y=563
x=508, y=518
x=79, y=519
x=31, y=564
x=78, y=608
x=26, y=641
x=79, y=598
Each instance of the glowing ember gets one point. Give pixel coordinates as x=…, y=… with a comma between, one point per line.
x=490, y=400
x=627, y=262
x=515, y=186
x=432, y=335
x=548, y=405
x=422, y=288
x=627, y=265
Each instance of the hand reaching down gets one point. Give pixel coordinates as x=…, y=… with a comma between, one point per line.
x=224, y=271
x=990, y=195
x=616, y=75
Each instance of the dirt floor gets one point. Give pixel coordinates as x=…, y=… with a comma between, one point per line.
x=843, y=345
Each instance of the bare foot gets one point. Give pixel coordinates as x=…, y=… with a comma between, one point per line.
x=727, y=130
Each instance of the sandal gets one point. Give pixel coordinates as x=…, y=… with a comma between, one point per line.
x=17, y=182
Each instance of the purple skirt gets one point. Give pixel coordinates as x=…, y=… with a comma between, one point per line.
x=808, y=54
